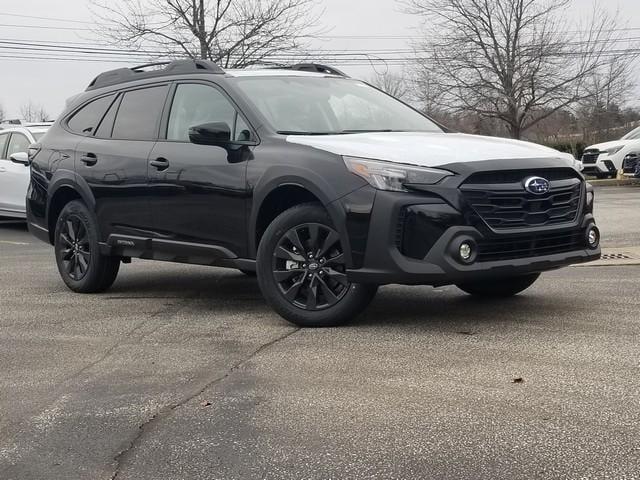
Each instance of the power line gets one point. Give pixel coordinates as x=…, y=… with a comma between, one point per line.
x=33, y=46
x=364, y=37
x=44, y=18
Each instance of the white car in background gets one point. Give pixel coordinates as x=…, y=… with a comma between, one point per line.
x=14, y=165
x=605, y=159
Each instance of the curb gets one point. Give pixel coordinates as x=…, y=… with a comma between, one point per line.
x=627, y=182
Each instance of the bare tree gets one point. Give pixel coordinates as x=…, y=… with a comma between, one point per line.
x=601, y=111
x=232, y=33
x=517, y=61
x=392, y=83
x=2, y=114
x=32, y=112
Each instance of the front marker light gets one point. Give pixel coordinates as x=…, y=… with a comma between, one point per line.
x=393, y=176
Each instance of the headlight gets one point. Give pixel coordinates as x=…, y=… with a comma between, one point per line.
x=393, y=176
x=613, y=150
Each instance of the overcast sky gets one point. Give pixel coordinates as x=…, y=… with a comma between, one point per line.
x=49, y=83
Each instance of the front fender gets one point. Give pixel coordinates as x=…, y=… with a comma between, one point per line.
x=324, y=190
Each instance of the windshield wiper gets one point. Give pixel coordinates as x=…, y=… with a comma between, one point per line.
x=295, y=132
x=370, y=130
x=341, y=132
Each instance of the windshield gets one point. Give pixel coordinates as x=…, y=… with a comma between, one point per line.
x=632, y=135
x=325, y=106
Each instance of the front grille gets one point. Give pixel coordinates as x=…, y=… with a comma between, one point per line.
x=500, y=199
x=590, y=156
x=512, y=247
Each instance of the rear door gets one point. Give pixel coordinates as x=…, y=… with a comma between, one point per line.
x=114, y=160
x=14, y=177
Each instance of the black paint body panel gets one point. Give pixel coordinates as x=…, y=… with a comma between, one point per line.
x=204, y=204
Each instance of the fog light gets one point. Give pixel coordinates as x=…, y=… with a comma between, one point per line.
x=593, y=237
x=465, y=251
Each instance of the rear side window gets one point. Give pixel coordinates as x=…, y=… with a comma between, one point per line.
x=85, y=121
x=139, y=114
x=3, y=143
x=106, y=125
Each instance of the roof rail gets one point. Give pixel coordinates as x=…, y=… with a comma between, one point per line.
x=175, y=67
x=10, y=122
x=317, y=67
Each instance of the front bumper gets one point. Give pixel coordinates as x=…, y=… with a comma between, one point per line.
x=413, y=239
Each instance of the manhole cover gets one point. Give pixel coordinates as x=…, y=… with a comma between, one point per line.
x=615, y=256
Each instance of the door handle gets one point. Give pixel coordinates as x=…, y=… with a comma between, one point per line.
x=2, y=169
x=160, y=163
x=89, y=159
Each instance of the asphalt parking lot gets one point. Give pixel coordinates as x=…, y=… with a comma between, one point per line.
x=182, y=372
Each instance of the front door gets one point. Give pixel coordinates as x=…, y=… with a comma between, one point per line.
x=198, y=192
x=14, y=177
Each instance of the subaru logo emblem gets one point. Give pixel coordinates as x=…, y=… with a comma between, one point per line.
x=537, y=185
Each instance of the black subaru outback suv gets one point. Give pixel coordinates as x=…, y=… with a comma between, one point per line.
x=321, y=184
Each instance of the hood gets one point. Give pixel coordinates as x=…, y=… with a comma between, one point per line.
x=428, y=149
x=614, y=143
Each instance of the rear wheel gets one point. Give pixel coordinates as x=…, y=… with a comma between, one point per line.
x=499, y=287
x=302, y=270
x=81, y=265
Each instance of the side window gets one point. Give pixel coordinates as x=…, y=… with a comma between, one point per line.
x=18, y=143
x=85, y=120
x=3, y=143
x=139, y=114
x=106, y=125
x=195, y=104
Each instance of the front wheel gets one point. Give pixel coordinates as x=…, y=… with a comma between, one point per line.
x=302, y=270
x=81, y=265
x=499, y=287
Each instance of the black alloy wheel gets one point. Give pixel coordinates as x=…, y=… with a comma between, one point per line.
x=81, y=264
x=302, y=270
x=76, y=249
x=309, y=267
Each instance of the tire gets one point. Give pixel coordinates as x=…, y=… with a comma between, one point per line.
x=499, y=287
x=309, y=292
x=82, y=268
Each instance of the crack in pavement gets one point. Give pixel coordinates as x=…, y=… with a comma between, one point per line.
x=122, y=457
x=168, y=310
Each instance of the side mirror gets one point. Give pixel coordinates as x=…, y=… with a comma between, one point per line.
x=20, y=157
x=217, y=133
